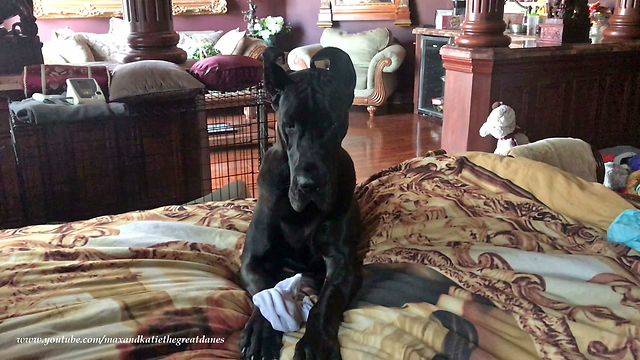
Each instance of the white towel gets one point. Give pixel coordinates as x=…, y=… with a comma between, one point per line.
x=281, y=307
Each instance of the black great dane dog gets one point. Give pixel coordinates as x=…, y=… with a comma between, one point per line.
x=306, y=219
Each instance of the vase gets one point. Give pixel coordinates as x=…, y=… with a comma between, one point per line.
x=271, y=41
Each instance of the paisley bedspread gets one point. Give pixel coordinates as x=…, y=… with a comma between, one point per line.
x=473, y=256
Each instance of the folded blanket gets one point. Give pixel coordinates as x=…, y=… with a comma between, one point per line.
x=589, y=202
x=35, y=112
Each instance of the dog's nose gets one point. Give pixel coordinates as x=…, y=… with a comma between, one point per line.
x=307, y=184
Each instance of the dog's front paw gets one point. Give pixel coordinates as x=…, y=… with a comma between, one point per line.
x=316, y=347
x=259, y=340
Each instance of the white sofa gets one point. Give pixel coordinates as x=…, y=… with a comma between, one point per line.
x=67, y=46
x=374, y=55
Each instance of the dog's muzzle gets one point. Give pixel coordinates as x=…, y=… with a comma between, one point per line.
x=304, y=190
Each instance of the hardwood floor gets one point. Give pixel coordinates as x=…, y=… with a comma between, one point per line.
x=386, y=140
x=374, y=144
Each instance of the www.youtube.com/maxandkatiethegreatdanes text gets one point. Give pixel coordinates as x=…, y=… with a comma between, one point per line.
x=166, y=339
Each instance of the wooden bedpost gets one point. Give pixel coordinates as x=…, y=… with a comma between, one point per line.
x=483, y=25
x=152, y=36
x=624, y=23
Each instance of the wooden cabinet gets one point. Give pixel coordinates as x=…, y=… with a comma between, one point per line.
x=590, y=92
x=429, y=75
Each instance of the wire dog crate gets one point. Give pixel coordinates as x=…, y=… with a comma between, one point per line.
x=198, y=149
x=240, y=130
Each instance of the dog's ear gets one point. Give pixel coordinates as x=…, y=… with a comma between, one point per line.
x=275, y=78
x=342, y=71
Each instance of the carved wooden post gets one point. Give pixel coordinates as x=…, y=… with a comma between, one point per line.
x=152, y=36
x=625, y=23
x=483, y=25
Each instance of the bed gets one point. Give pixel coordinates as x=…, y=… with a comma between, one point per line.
x=467, y=256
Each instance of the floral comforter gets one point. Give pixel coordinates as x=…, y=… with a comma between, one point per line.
x=467, y=257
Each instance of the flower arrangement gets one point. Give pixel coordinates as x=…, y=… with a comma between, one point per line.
x=598, y=12
x=270, y=26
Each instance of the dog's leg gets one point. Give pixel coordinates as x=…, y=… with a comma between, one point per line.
x=259, y=340
x=342, y=282
x=259, y=271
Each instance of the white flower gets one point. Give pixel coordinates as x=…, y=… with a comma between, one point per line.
x=269, y=26
x=274, y=27
x=257, y=26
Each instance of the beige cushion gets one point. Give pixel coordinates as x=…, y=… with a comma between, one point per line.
x=361, y=47
x=119, y=28
x=66, y=47
x=251, y=44
x=151, y=80
x=571, y=155
x=231, y=43
x=50, y=53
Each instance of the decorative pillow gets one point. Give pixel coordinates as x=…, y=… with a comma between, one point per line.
x=62, y=33
x=52, y=79
x=50, y=53
x=106, y=47
x=253, y=47
x=152, y=80
x=190, y=41
x=68, y=46
x=119, y=28
x=361, y=47
x=231, y=43
x=74, y=50
x=228, y=72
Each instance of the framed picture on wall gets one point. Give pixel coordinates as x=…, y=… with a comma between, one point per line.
x=354, y=10
x=65, y=9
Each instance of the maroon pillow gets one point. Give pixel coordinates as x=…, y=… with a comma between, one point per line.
x=54, y=78
x=228, y=72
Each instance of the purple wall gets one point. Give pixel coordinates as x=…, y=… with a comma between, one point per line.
x=231, y=20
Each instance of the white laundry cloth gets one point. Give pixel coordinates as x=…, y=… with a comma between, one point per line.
x=281, y=307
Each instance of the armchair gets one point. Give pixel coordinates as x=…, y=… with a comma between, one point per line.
x=375, y=58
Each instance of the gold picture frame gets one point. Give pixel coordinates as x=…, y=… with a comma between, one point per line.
x=347, y=10
x=67, y=9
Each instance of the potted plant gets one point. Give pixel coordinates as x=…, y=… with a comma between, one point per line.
x=267, y=28
x=204, y=51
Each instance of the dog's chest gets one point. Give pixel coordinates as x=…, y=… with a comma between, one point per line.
x=299, y=236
